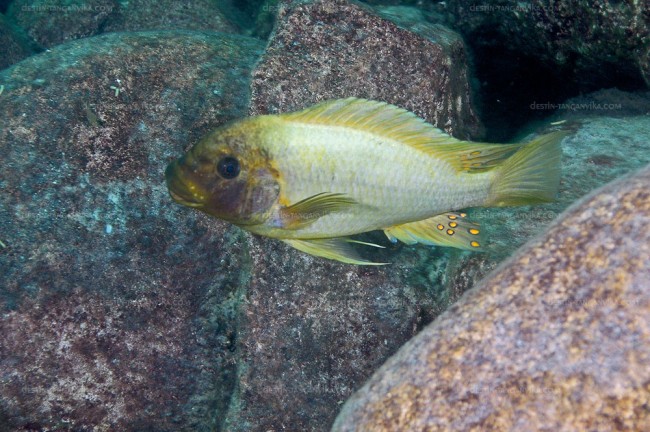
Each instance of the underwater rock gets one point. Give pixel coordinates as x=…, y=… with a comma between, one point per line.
x=138, y=15
x=311, y=332
x=549, y=51
x=51, y=23
x=557, y=339
x=329, y=49
x=594, y=43
x=117, y=304
x=15, y=46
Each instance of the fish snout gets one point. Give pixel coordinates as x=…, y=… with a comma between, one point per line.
x=181, y=189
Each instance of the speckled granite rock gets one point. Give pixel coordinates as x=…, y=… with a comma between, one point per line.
x=548, y=51
x=15, y=46
x=52, y=22
x=311, y=332
x=327, y=49
x=137, y=15
x=557, y=339
x=117, y=304
x=589, y=41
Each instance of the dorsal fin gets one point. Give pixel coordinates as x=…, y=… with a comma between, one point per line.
x=395, y=123
x=375, y=117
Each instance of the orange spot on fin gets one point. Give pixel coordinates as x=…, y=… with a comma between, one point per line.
x=438, y=231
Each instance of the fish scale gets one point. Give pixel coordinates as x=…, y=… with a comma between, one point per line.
x=403, y=184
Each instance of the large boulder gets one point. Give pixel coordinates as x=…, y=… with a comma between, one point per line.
x=328, y=49
x=15, y=45
x=557, y=339
x=548, y=51
x=50, y=23
x=116, y=303
x=590, y=41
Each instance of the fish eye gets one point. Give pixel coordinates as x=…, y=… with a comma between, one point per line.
x=228, y=167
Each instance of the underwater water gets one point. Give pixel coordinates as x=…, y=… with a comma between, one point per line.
x=157, y=275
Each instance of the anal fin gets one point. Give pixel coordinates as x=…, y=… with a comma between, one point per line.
x=446, y=229
x=337, y=249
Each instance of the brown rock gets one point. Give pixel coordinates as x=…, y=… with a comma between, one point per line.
x=311, y=331
x=327, y=49
x=116, y=304
x=557, y=339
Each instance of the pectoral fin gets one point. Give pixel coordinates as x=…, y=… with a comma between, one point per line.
x=310, y=209
x=447, y=229
x=337, y=249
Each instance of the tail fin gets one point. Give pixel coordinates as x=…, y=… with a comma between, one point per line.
x=531, y=175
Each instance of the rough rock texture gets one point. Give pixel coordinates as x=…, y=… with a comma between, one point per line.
x=327, y=49
x=589, y=39
x=312, y=331
x=549, y=51
x=137, y=15
x=117, y=304
x=50, y=23
x=53, y=22
x=557, y=339
x=15, y=46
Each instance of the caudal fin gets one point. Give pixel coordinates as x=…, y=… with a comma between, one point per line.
x=531, y=175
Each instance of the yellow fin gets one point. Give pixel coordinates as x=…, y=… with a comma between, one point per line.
x=471, y=157
x=375, y=117
x=310, y=209
x=446, y=229
x=337, y=249
x=395, y=123
x=530, y=176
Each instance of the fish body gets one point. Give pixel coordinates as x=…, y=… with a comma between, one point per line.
x=343, y=167
x=390, y=182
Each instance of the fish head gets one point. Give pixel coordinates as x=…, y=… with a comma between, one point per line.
x=228, y=174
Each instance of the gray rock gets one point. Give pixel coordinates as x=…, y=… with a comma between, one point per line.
x=557, y=339
x=117, y=304
x=328, y=49
x=138, y=15
x=15, y=45
x=52, y=22
x=588, y=41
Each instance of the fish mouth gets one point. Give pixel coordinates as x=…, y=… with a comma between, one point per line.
x=178, y=188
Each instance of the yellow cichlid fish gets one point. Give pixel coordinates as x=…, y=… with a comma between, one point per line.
x=311, y=178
